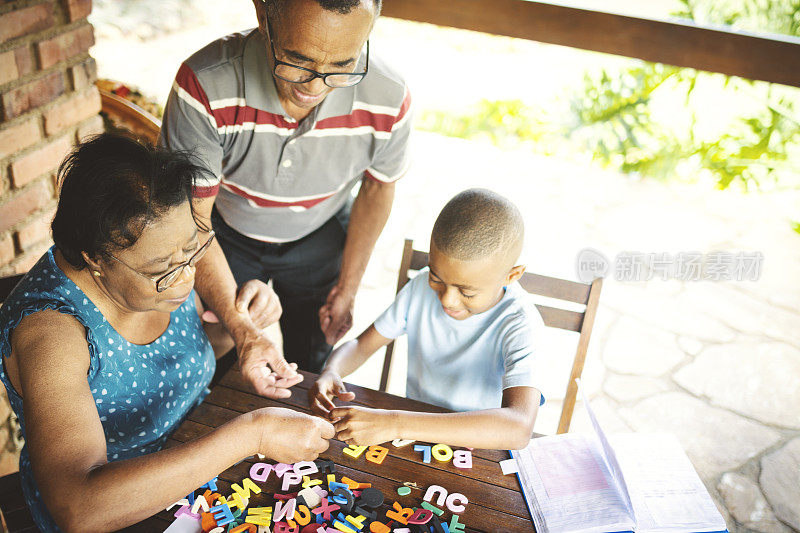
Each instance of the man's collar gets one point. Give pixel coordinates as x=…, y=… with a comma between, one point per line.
x=259, y=85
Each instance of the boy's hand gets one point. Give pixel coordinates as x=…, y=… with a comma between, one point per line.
x=364, y=427
x=321, y=393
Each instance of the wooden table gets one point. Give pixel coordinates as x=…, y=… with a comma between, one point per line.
x=495, y=501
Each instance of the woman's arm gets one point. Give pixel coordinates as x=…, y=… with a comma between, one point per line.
x=343, y=361
x=67, y=446
x=506, y=428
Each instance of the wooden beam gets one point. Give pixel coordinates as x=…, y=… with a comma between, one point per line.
x=767, y=57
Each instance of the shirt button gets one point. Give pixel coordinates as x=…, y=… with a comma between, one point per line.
x=287, y=163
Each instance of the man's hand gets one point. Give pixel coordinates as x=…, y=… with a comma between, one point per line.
x=264, y=366
x=363, y=426
x=322, y=392
x=336, y=316
x=258, y=300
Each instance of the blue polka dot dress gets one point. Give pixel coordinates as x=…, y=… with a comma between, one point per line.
x=142, y=392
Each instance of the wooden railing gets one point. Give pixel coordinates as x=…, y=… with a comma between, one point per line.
x=767, y=57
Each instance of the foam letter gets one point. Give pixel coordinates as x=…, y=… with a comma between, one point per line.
x=285, y=508
x=260, y=471
x=289, y=479
x=222, y=514
x=305, y=468
x=426, y=452
x=420, y=516
x=431, y=492
x=354, y=451
x=462, y=459
x=376, y=454
x=456, y=507
x=442, y=452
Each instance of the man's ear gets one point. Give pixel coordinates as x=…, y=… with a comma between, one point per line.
x=515, y=273
x=261, y=15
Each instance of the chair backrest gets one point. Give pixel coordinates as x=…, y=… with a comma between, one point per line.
x=127, y=115
x=586, y=295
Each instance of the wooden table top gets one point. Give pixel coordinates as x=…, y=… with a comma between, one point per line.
x=495, y=503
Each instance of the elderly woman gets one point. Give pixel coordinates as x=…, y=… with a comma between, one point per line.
x=103, y=352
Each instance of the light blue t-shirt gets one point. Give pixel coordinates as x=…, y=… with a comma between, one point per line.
x=463, y=365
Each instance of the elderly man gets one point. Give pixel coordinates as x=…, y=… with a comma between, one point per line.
x=290, y=117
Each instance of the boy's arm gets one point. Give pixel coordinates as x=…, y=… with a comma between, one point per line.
x=506, y=428
x=343, y=361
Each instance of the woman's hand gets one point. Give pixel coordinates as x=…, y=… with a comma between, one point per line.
x=289, y=436
x=321, y=393
x=363, y=426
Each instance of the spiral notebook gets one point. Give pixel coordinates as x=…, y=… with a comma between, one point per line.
x=628, y=482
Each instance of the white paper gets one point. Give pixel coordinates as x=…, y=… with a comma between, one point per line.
x=568, y=486
x=509, y=466
x=608, y=454
x=184, y=524
x=666, y=492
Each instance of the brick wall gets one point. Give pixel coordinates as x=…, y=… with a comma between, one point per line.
x=48, y=101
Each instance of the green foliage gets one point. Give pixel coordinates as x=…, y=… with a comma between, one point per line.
x=614, y=120
x=506, y=123
x=612, y=114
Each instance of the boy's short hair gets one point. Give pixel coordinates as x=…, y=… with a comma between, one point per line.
x=477, y=223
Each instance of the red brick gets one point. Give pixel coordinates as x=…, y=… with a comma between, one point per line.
x=83, y=74
x=19, y=136
x=65, y=46
x=30, y=257
x=78, y=9
x=93, y=126
x=25, y=21
x=6, y=256
x=41, y=160
x=32, y=95
x=36, y=231
x=15, y=209
x=72, y=111
x=15, y=64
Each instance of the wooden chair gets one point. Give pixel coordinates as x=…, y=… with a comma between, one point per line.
x=585, y=294
x=127, y=115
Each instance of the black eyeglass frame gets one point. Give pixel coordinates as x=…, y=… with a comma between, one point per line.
x=314, y=73
x=192, y=261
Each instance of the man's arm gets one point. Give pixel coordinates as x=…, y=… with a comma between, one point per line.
x=217, y=287
x=368, y=216
x=506, y=428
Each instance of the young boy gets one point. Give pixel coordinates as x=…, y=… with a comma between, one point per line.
x=470, y=339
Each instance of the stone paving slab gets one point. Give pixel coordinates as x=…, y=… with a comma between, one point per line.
x=780, y=481
x=715, y=440
x=747, y=505
x=760, y=380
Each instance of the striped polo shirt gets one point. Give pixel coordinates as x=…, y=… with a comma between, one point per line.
x=276, y=179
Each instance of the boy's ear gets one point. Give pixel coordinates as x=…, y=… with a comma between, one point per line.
x=515, y=273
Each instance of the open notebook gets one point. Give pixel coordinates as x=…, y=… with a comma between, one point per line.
x=627, y=482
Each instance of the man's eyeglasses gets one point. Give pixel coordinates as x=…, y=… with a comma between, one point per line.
x=294, y=74
x=165, y=281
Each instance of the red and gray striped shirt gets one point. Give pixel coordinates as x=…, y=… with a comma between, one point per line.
x=276, y=179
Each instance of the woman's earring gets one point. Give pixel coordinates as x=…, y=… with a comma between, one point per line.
x=96, y=273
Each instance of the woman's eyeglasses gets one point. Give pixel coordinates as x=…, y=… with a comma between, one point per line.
x=165, y=281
